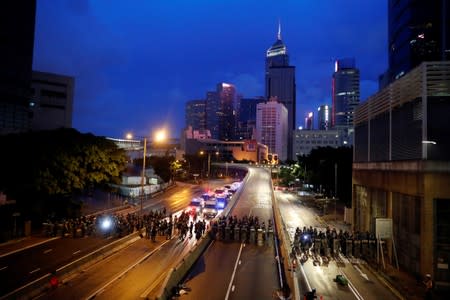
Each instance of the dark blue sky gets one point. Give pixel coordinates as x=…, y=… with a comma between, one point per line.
x=137, y=62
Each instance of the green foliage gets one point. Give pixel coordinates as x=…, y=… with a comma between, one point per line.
x=320, y=168
x=57, y=164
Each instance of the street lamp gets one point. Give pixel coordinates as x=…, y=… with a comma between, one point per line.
x=159, y=136
x=130, y=136
x=335, y=189
x=209, y=159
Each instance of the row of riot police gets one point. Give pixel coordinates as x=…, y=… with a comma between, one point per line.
x=330, y=242
x=246, y=230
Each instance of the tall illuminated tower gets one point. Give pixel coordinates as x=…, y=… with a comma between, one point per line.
x=345, y=95
x=280, y=83
x=323, y=122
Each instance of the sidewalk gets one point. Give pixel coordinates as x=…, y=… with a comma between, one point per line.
x=400, y=282
x=90, y=207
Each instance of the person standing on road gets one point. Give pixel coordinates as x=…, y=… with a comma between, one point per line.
x=429, y=287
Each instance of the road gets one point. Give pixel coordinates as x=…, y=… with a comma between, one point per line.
x=363, y=284
x=233, y=270
x=22, y=267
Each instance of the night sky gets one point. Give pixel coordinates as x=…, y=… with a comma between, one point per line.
x=137, y=62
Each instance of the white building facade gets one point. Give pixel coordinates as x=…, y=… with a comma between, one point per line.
x=306, y=140
x=272, y=127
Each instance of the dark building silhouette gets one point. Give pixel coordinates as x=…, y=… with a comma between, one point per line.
x=195, y=114
x=345, y=97
x=280, y=83
x=246, y=122
x=418, y=31
x=220, y=111
x=52, y=103
x=17, y=23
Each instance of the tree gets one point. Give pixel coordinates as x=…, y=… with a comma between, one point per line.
x=321, y=171
x=44, y=170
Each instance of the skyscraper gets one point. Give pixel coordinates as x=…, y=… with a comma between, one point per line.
x=309, y=121
x=271, y=126
x=418, y=31
x=323, y=122
x=280, y=83
x=345, y=95
x=246, y=123
x=17, y=22
x=195, y=114
x=220, y=111
x=212, y=119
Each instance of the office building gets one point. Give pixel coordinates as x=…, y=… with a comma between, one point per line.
x=309, y=121
x=220, y=111
x=228, y=151
x=418, y=31
x=323, y=117
x=195, y=114
x=51, y=107
x=17, y=23
x=280, y=83
x=307, y=140
x=345, y=96
x=246, y=118
x=401, y=169
x=272, y=127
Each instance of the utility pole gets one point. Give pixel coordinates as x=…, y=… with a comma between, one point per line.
x=335, y=190
x=143, y=174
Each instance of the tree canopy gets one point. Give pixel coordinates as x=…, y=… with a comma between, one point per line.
x=56, y=164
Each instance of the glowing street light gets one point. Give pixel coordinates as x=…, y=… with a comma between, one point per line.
x=160, y=136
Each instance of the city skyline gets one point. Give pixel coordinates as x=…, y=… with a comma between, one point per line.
x=128, y=59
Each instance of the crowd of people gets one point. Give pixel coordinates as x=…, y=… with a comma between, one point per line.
x=104, y=224
x=151, y=224
x=225, y=227
x=332, y=242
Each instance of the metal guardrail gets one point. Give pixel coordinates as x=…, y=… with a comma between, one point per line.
x=179, y=272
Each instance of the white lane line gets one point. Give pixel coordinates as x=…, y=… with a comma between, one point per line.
x=234, y=272
x=28, y=247
x=48, y=251
x=34, y=271
x=232, y=289
x=354, y=291
x=3, y=268
x=364, y=275
x=118, y=276
x=76, y=252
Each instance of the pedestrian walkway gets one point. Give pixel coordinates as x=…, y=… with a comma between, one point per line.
x=400, y=282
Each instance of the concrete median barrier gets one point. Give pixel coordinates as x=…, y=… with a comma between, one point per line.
x=177, y=274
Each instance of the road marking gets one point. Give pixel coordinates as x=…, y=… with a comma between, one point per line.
x=47, y=251
x=3, y=268
x=354, y=291
x=240, y=261
x=364, y=275
x=34, y=271
x=76, y=252
x=232, y=289
x=234, y=272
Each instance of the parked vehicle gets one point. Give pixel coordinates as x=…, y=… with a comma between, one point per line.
x=196, y=206
x=210, y=208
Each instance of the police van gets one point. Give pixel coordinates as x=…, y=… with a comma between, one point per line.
x=210, y=208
